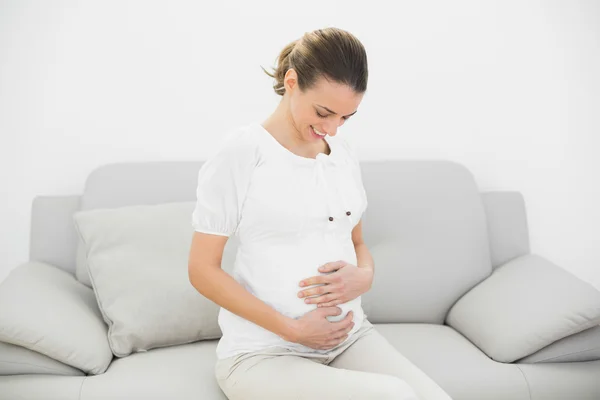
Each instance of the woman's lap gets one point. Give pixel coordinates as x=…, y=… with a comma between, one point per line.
x=275, y=377
x=368, y=368
x=373, y=353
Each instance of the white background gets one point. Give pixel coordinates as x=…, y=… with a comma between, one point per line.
x=510, y=89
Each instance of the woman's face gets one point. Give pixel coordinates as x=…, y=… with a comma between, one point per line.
x=324, y=107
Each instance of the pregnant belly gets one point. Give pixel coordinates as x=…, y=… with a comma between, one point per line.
x=274, y=275
x=289, y=304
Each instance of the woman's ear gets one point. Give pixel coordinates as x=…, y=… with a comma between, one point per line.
x=290, y=80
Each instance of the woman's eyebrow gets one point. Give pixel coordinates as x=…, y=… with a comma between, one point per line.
x=333, y=112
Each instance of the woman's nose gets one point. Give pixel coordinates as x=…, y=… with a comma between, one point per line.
x=331, y=129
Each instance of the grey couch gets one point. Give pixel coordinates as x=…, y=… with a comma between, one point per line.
x=456, y=290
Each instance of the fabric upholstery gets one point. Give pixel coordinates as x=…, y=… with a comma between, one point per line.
x=506, y=225
x=525, y=305
x=583, y=346
x=56, y=316
x=138, y=264
x=17, y=360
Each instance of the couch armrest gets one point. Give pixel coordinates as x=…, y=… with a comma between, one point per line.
x=45, y=309
x=525, y=305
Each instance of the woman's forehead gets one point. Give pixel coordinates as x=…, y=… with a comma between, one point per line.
x=339, y=98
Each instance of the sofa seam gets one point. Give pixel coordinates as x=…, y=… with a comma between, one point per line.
x=563, y=355
x=81, y=387
x=526, y=381
x=50, y=369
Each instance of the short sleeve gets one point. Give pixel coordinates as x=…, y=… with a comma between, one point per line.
x=223, y=180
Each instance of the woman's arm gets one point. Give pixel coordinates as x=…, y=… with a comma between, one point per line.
x=363, y=255
x=365, y=261
x=207, y=276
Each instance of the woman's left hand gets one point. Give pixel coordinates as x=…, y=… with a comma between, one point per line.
x=345, y=282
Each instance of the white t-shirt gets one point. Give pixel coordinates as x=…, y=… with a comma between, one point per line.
x=279, y=204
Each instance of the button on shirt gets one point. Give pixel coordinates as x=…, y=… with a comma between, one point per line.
x=291, y=214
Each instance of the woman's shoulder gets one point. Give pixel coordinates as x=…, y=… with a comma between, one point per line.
x=240, y=137
x=240, y=143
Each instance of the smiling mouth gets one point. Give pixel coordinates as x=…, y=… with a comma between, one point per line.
x=314, y=131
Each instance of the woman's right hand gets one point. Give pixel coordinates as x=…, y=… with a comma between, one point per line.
x=314, y=330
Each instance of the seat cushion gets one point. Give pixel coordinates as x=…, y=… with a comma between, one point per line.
x=563, y=381
x=40, y=387
x=183, y=372
x=460, y=368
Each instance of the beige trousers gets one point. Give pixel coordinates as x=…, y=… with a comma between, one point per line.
x=367, y=366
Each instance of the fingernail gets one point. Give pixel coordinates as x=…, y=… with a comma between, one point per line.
x=301, y=283
x=300, y=294
x=307, y=300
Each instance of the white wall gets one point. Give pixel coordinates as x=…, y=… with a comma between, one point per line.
x=506, y=88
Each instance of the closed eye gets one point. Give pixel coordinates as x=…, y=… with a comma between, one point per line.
x=325, y=116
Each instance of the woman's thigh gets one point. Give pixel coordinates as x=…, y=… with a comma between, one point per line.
x=373, y=353
x=278, y=377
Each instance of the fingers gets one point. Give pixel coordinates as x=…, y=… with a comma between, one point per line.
x=330, y=304
x=345, y=320
x=328, y=300
x=331, y=266
x=345, y=328
x=324, y=298
x=314, y=291
x=341, y=330
x=334, y=341
x=331, y=311
x=345, y=323
x=315, y=280
x=337, y=341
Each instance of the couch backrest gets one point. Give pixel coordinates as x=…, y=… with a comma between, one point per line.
x=425, y=227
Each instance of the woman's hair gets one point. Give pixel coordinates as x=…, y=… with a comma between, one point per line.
x=332, y=53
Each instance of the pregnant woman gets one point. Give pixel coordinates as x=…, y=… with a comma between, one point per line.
x=291, y=189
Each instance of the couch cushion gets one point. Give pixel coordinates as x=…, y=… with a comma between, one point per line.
x=40, y=387
x=127, y=184
x=138, y=264
x=16, y=360
x=55, y=315
x=425, y=227
x=184, y=372
x=582, y=346
x=460, y=368
x=563, y=381
x=527, y=304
